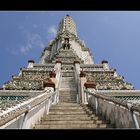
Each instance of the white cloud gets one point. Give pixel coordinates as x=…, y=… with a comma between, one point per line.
x=33, y=40
x=24, y=49
x=52, y=31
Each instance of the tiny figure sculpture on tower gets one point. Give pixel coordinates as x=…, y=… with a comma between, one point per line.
x=66, y=45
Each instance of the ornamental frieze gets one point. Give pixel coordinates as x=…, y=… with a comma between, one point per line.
x=24, y=85
x=106, y=81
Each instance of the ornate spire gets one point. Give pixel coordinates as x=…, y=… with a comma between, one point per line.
x=67, y=24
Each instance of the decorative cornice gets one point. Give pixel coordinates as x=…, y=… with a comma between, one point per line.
x=90, y=85
x=104, y=61
x=76, y=62
x=58, y=61
x=31, y=61
x=48, y=83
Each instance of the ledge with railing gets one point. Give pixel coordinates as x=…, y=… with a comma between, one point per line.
x=26, y=114
x=119, y=112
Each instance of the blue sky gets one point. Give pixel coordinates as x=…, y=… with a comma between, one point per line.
x=111, y=35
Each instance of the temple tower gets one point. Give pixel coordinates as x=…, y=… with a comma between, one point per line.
x=75, y=58
x=60, y=86
x=67, y=40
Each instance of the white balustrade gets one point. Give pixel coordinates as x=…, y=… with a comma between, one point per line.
x=121, y=113
x=25, y=115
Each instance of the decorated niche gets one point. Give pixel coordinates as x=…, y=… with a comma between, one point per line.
x=66, y=44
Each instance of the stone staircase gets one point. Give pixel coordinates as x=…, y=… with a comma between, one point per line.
x=72, y=116
x=67, y=90
x=68, y=114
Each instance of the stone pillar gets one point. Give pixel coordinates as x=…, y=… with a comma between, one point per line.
x=105, y=64
x=58, y=78
x=49, y=83
x=88, y=85
x=115, y=73
x=82, y=81
x=58, y=72
x=77, y=78
x=30, y=63
x=77, y=66
x=20, y=72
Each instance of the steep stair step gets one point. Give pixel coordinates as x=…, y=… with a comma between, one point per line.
x=67, y=113
x=61, y=97
x=68, y=118
x=65, y=107
x=67, y=126
x=67, y=100
x=66, y=122
x=68, y=96
x=67, y=89
x=68, y=92
x=67, y=104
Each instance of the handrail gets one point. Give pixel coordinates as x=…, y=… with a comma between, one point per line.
x=130, y=106
x=24, y=107
x=58, y=85
x=116, y=101
x=57, y=88
x=77, y=81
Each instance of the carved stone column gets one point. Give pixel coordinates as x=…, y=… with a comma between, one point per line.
x=49, y=83
x=58, y=78
x=30, y=63
x=105, y=64
x=58, y=72
x=82, y=81
x=88, y=85
x=77, y=79
x=77, y=66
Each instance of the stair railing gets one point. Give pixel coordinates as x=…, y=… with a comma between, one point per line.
x=25, y=115
x=119, y=112
x=57, y=88
x=77, y=80
x=58, y=78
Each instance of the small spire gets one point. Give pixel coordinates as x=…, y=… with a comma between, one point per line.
x=67, y=24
